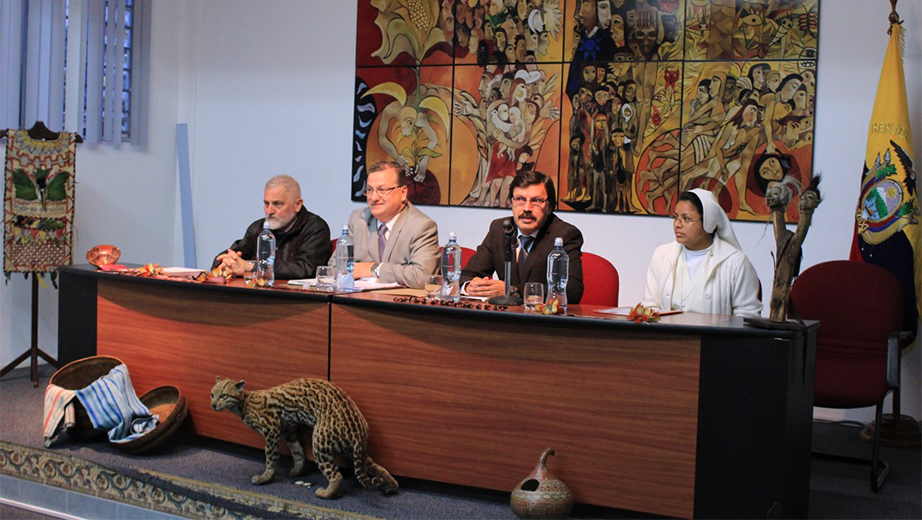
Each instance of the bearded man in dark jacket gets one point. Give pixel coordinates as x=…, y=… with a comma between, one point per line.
x=302, y=239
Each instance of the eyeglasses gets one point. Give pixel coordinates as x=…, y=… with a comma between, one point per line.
x=443, y=303
x=683, y=219
x=520, y=201
x=382, y=192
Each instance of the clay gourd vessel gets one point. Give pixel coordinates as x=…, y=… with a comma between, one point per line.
x=103, y=255
x=541, y=494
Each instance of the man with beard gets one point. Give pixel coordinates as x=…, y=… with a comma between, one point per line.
x=533, y=201
x=302, y=238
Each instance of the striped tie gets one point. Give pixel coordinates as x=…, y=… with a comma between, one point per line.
x=382, y=241
x=525, y=241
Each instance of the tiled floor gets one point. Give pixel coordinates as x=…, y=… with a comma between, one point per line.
x=69, y=504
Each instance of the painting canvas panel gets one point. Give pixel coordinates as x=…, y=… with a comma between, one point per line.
x=533, y=28
x=409, y=123
x=505, y=122
x=607, y=128
x=751, y=29
x=623, y=103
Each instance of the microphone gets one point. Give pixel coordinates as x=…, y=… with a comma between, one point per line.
x=508, y=298
x=509, y=231
x=508, y=228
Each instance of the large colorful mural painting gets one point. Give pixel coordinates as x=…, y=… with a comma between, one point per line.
x=623, y=103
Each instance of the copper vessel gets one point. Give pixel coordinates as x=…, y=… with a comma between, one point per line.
x=541, y=494
x=103, y=255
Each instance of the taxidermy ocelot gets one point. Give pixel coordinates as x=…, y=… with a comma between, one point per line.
x=339, y=428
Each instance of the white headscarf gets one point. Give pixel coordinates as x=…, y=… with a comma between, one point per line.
x=714, y=218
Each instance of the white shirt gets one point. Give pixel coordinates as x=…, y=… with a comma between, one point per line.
x=694, y=258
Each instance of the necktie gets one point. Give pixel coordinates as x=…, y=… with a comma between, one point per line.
x=525, y=241
x=382, y=241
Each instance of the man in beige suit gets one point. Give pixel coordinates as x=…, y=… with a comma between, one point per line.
x=394, y=241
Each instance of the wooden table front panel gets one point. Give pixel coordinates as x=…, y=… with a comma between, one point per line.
x=185, y=337
x=459, y=400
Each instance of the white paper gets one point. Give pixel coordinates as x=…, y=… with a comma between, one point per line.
x=181, y=271
x=364, y=284
x=369, y=284
x=623, y=311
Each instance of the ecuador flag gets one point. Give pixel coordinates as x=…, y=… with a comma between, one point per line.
x=887, y=230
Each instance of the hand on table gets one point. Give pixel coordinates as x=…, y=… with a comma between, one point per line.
x=362, y=270
x=486, y=287
x=232, y=260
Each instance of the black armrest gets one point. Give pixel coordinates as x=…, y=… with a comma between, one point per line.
x=893, y=356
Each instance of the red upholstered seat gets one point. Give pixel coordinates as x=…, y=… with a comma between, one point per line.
x=466, y=254
x=860, y=309
x=848, y=374
x=600, y=281
x=858, y=305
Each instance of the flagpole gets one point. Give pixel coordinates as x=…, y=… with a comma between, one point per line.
x=894, y=17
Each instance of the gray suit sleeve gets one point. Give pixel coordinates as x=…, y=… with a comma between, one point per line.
x=421, y=260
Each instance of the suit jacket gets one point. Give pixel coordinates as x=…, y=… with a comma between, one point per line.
x=490, y=257
x=412, y=251
x=297, y=252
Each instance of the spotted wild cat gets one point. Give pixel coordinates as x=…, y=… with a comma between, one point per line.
x=338, y=428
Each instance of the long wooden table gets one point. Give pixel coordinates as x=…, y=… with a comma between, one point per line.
x=696, y=416
x=186, y=334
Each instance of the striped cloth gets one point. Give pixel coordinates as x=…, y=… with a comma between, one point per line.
x=112, y=405
x=58, y=406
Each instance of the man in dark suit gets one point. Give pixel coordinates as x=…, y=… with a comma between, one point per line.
x=533, y=201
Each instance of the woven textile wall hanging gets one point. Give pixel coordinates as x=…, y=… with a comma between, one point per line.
x=38, y=203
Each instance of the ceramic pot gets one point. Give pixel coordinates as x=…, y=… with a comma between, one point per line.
x=541, y=494
x=103, y=255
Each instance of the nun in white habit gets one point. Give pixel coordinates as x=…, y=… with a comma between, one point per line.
x=705, y=269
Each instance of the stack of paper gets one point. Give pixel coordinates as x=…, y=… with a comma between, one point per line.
x=182, y=272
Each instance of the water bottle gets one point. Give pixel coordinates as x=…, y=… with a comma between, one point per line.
x=558, y=271
x=451, y=269
x=265, y=256
x=345, y=261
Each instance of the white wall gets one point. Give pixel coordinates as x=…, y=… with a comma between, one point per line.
x=124, y=196
x=266, y=88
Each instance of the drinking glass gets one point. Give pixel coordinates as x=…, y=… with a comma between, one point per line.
x=534, y=294
x=434, y=286
x=326, y=278
x=249, y=278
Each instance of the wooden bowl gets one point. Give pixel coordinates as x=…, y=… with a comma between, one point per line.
x=167, y=402
x=78, y=375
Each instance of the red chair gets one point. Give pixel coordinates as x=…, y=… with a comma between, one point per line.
x=600, y=281
x=860, y=307
x=466, y=254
